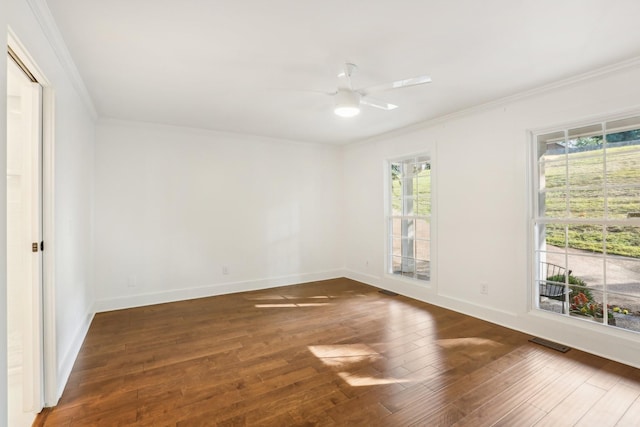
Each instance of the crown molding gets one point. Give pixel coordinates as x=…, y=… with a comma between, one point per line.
x=504, y=101
x=48, y=25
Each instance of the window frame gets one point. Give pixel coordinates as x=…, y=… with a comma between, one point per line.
x=425, y=156
x=537, y=218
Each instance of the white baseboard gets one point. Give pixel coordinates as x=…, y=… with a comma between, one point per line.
x=368, y=279
x=211, y=290
x=64, y=368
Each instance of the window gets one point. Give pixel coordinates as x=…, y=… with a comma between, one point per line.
x=409, y=218
x=586, y=222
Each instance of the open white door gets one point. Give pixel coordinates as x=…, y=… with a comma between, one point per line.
x=32, y=355
x=24, y=235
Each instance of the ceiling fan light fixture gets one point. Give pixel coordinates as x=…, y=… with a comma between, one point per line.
x=347, y=103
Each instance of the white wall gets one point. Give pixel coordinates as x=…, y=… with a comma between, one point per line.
x=481, y=198
x=175, y=205
x=74, y=157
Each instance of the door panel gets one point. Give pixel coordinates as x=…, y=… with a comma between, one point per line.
x=24, y=227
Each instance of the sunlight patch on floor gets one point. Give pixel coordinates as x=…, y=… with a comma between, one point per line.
x=341, y=350
x=363, y=381
x=453, y=343
x=345, y=356
x=293, y=305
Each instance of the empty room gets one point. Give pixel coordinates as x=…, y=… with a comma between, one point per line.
x=320, y=213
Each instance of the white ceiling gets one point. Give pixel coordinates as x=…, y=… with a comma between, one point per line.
x=251, y=66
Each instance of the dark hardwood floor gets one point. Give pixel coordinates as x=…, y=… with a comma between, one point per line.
x=330, y=353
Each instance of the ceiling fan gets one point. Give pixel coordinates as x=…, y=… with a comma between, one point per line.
x=348, y=100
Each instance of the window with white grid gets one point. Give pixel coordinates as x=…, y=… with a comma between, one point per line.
x=586, y=221
x=409, y=219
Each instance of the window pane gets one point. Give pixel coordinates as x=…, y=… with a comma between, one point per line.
x=586, y=271
x=551, y=303
x=423, y=230
x=553, y=204
x=587, y=238
x=408, y=267
x=396, y=263
x=396, y=226
x=407, y=228
x=585, y=139
x=396, y=170
x=550, y=146
x=623, y=202
x=553, y=175
x=624, y=241
x=588, y=305
x=396, y=198
x=587, y=203
x=422, y=250
x=623, y=276
x=593, y=130
x=626, y=311
x=423, y=207
x=586, y=171
x=423, y=191
x=552, y=267
x=396, y=246
x=623, y=132
x=623, y=165
x=554, y=237
x=423, y=269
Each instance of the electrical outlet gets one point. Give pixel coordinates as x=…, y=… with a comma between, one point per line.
x=225, y=269
x=484, y=288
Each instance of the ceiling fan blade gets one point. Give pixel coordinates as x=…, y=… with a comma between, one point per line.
x=413, y=81
x=376, y=103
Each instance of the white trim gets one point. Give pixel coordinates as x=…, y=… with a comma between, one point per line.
x=138, y=124
x=18, y=48
x=66, y=365
x=625, y=338
x=588, y=120
x=48, y=225
x=531, y=204
x=211, y=290
x=504, y=101
x=49, y=27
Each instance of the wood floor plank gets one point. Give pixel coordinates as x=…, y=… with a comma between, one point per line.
x=329, y=353
x=524, y=415
x=613, y=405
x=502, y=403
x=573, y=407
x=632, y=415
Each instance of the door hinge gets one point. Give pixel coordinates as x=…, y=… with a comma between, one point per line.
x=42, y=246
x=34, y=247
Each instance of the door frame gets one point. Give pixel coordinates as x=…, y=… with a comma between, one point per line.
x=48, y=358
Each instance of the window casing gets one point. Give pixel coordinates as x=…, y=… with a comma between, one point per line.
x=586, y=221
x=409, y=218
